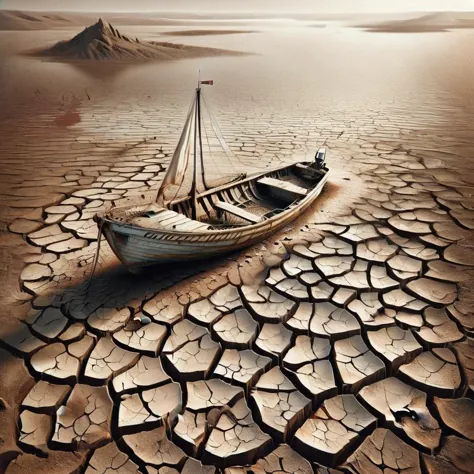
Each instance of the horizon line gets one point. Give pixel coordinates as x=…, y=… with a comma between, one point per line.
x=282, y=12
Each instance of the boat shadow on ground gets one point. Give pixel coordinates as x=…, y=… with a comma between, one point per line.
x=111, y=289
x=115, y=286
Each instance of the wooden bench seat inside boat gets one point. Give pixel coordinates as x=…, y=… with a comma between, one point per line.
x=284, y=190
x=238, y=211
x=302, y=167
x=164, y=219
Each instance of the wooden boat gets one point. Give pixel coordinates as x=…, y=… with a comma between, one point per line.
x=217, y=219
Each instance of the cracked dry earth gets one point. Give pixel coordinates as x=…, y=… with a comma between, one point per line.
x=343, y=345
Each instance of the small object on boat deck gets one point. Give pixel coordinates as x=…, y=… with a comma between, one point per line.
x=320, y=158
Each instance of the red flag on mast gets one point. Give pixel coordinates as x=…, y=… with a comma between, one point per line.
x=209, y=83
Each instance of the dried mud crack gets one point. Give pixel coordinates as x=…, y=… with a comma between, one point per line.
x=348, y=349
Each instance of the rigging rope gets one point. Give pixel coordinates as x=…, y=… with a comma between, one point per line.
x=210, y=151
x=224, y=144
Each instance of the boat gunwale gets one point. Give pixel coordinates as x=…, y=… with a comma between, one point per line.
x=258, y=226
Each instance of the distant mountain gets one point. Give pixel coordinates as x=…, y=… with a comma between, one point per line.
x=17, y=20
x=438, y=21
x=102, y=41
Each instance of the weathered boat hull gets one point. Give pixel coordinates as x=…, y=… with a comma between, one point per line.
x=138, y=247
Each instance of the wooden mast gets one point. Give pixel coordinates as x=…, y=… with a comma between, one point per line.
x=194, y=184
x=203, y=177
x=198, y=136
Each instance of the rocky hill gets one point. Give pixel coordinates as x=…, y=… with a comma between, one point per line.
x=102, y=41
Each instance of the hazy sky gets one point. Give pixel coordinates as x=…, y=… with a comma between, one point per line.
x=338, y=6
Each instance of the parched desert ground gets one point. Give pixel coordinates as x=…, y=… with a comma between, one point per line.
x=343, y=344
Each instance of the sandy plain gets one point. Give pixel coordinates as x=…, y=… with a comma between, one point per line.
x=344, y=340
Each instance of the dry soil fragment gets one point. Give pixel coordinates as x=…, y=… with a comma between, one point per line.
x=190, y=431
x=434, y=291
x=360, y=232
x=236, y=330
x=158, y=406
x=45, y=397
x=273, y=340
x=357, y=365
x=189, y=351
x=379, y=278
x=108, y=360
x=56, y=362
x=400, y=300
x=34, y=272
x=266, y=305
x=465, y=352
x=376, y=250
x=193, y=466
x=329, y=434
x=333, y=266
x=330, y=321
x=84, y=422
x=370, y=310
x=110, y=460
x=241, y=367
x=283, y=460
x=106, y=320
x=281, y=407
x=296, y=265
x=208, y=310
x=21, y=340
x=148, y=372
x=438, y=329
x=436, y=372
x=312, y=372
x=356, y=279
x=396, y=346
x=307, y=349
x=207, y=394
x=384, y=452
x=154, y=448
x=457, y=414
x=24, y=226
x=35, y=430
x=299, y=322
x=293, y=289
x=236, y=439
x=456, y=456
x=164, y=310
x=405, y=408
x=146, y=339
x=49, y=323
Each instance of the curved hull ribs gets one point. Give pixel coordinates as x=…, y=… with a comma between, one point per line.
x=138, y=246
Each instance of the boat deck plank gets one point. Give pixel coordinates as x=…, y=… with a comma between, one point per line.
x=161, y=216
x=174, y=220
x=191, y=226
x=168, y=220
